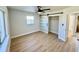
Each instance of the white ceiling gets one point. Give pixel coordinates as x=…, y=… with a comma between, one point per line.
x=34, y=8
x=55, y=8
x=24, y=8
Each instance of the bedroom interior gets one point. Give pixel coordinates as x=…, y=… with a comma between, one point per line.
x=25, y=29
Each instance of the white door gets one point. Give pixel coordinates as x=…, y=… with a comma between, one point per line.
x=62, y=34
x=44, y=24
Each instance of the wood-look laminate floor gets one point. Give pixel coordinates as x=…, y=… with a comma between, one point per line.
x=41, y=42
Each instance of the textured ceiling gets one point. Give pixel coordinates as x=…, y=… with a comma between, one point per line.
x=34, y=8
x=55, y=8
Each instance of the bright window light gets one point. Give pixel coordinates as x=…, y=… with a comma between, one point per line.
x=30, y=20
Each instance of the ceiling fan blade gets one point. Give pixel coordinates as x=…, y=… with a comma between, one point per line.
x=40, y=9
x=46, y=9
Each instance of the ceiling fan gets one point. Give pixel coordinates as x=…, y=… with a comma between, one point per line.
x=40, y=9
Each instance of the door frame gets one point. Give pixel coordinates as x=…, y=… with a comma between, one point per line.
x=75, y=26
x=53, y=15
x=66, y=26
x=49, y=21
x=76, y=14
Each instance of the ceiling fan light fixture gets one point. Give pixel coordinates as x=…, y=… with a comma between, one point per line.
x=39, y=12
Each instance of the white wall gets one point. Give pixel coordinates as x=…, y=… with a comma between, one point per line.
x=18, y=25
x=63, y=27
x=54, y=24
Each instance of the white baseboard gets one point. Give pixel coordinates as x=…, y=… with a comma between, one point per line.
x=53, y=32
x=23, y=34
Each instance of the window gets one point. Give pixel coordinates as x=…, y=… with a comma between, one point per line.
x=2, y=27
x=30, y=20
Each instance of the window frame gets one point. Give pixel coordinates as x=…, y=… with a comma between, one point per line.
x=30, y=21
x=4, y=27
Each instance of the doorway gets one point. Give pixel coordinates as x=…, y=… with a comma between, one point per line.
x=54, y=24
x=77, y=28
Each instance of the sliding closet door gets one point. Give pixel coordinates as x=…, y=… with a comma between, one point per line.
x=2, y=27
x=44, y=24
